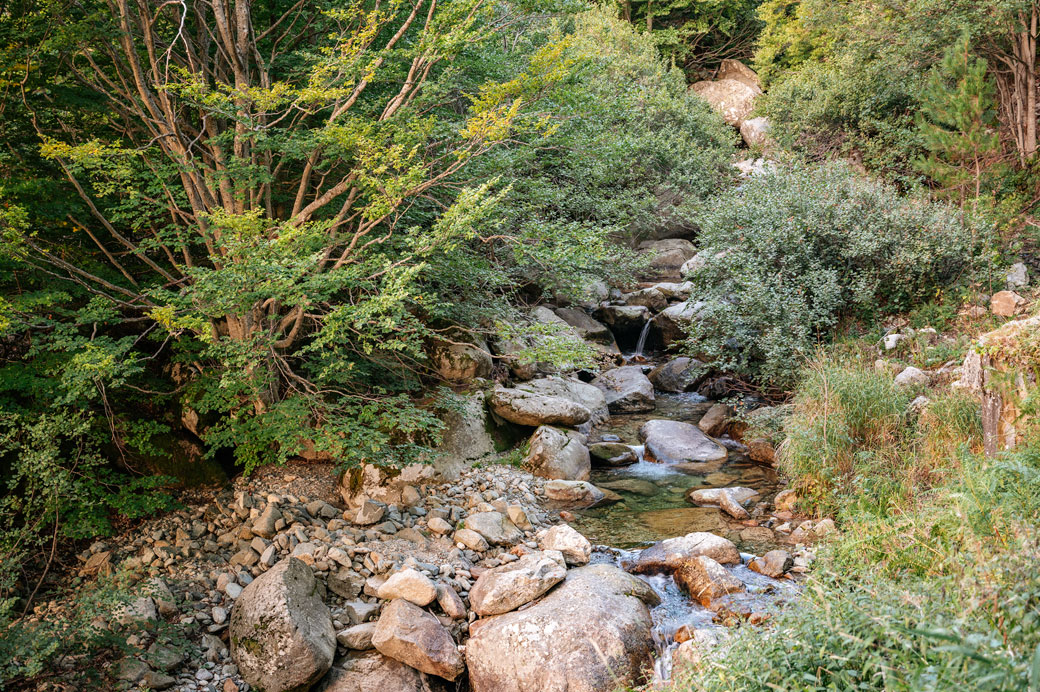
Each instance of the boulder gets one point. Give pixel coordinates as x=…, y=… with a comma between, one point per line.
x=509, y=586
x=467, y=436
x=1017, y=276
x=667, y=257
x=624, y=321
x=911, y=376
x=527, y=408
x=357, y=637
x=734, y=69
x=729, y=500
x=714, y=421
x=1007, y=304
x=587, y=327
x=281, y=631
x=669, y=554
x=574, y=494
x=568, y=388
x=373, y=672
x=458, y=359
x=773, y=564
x=705, y=579
x=574, y=547
x=555, y=454
x=384, y=484
x=680, y=374
x=648, y=297
x=761, y=450
x=612, y=454
x=411, y=585
x=732, y=99
x=407, y=633
x=755, y=132
x=589, y=634
x=627, y=389
x=671, y=324
x=675, y=291
x=494, y=527
x=675, y=442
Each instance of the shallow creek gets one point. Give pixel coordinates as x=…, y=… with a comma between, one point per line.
x=654, y=508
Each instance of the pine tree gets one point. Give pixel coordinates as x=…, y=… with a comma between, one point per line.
x=957, y=122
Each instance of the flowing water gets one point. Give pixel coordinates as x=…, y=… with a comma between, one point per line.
x=653, y=508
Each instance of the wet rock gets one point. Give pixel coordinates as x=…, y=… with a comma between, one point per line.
x=636, y=486
x=574, y=494
x=670, y=554
x=773, y=564
x=281, y=631
x=627, y=389
x=729, y=500
x=411, y=585
x=680, y=374
x=705, y=579
x=526, y=408
x=574, y=547
x=589, y=634
x=612, y=454
x=494, y=527
x=374, y=672
x=407, y=633
x=757, y=534
x=715, y=420
x=625, y=321
x=505, y=588
x=558, y=455
x=675, y=442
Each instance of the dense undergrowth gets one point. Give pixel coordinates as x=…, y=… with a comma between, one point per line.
x=931, y=584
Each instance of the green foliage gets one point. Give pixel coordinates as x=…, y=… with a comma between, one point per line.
x=958, y=121
x=697, y=35
x=792, y=253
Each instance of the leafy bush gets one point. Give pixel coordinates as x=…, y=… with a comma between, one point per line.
x=793, y=252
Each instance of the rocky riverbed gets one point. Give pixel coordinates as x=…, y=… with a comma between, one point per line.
x=637, y=527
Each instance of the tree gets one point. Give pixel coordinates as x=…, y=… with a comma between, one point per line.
x=958, y=123
x=266, y=182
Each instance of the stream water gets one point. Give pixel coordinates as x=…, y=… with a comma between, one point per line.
x=653, y=508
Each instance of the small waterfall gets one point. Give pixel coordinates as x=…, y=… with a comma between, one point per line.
x=641, y=344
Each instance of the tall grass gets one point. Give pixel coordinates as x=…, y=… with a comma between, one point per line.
x=932, y=583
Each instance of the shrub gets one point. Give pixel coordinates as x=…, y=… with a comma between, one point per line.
x=794, y=251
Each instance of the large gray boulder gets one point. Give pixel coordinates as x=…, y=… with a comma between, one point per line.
x=467, y=436
x=624, y=321
x=494, y=527
x=627, y=390
x=407, y=633
x=589, y=634
x=612, y=454
x=507, y=587
x=668, y=555
x=667, y=257
x=458, y=359
x=281, y=631
x=555, y=454
x=577, y=391
x=371, y=671
x=589, y=329
x=675, y=442
x=528, y=408
x=574, y=494
x=680, y=374
x=671, y=324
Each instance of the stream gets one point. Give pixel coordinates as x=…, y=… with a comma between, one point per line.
x=654, y=508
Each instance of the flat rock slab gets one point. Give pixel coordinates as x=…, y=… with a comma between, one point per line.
x=675, y=442
x=505, y=588
x=670, y=554
x=589, y=634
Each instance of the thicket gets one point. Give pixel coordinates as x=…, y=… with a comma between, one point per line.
x=790, y=254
